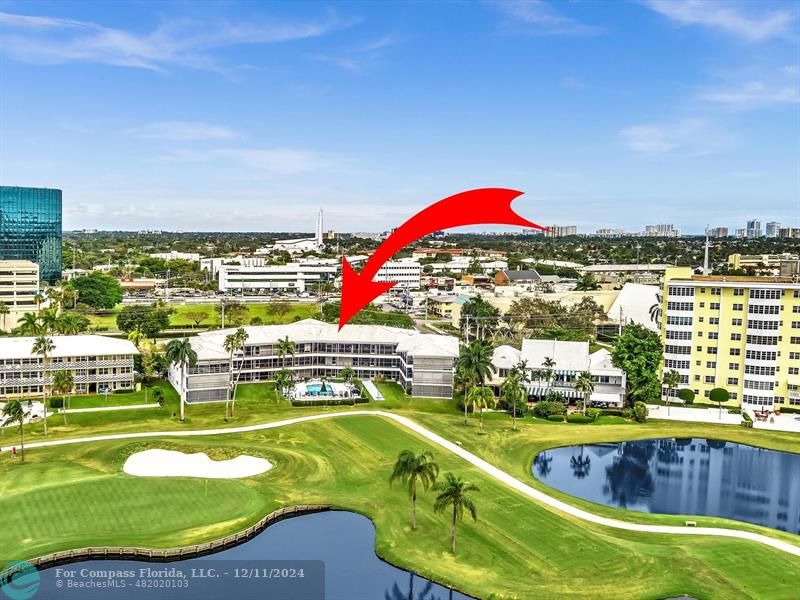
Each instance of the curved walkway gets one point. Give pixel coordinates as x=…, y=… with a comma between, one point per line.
x=476, y=461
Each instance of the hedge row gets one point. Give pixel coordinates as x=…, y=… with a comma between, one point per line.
x=579, y=418
x=330, y=402
x=556, y=418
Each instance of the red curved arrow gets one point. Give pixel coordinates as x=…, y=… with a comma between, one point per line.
x=473, y=207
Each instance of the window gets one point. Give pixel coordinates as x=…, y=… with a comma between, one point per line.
x=710, y=364
x=670, y=363
x=794, y=355
x=770, y=325
x=733, y=381
x=763, y=340
x=794, y=370
x=795, y=324
x=702, y=305
x=700, y=319
x=669, y=349
x=711, y=349
x=679, y=335
x=763, y=309
x=680, y=291
x=713, y=335
x=761, y=355
x=736, y=322
x=714, y=306
x=759, y=370
x=709, y=379
x=765, y=294
x=733, y=366
x=796, y=308
x=736, y=337
x=680, y=306
x=713, y=321
x=759, y=385
x=735, y=352
x=716, y=291
x=672, y=320
x=738, y=292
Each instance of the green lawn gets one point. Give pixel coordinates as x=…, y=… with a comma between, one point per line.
x=75, y=496
x=107, y=321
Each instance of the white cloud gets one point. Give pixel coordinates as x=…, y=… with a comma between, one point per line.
x=278, y=161
x=538, y=17
x=692, y=137
x=183, y=131
x=754, y=94
x=185, y=43
x=725, y=16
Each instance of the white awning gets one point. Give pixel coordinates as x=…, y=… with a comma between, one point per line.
x=610, y=398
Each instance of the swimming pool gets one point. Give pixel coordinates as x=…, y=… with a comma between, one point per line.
x=322, y=388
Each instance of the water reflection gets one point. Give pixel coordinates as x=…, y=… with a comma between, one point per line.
x=427, y=591
x=681, y=476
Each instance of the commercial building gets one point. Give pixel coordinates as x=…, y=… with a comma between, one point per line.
x=97, y=364
x=641, y=273
x=291, y=277
x=661, y=230
x=19, y=284
x=769, y=264
x=422, y=363
x=406, y=273
x=570, y=360
x=789, y=232
x=175, y=255
x=718, y=232
x=30, y=228
x=737, y=333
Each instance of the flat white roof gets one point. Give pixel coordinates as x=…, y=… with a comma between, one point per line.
x=568, y=356
x=633, y=304
x=67, y=346
x=209, y=345
x=505, y=357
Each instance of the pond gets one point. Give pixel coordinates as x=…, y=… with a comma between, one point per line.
x=345, y=541
x=681, y=476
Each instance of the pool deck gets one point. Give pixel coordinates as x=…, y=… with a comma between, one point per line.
x=784, y=422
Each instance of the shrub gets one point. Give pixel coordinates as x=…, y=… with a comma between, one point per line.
x=735, y=411
x=545, y=408
x=640, y=412
x=361, y=400
x=127, y=391
x=686, y=395
x=56, y=403
x=593, y=413
x=504, y=404
x=613, y=412
x=556, y=418
x=579, y=418
x=626, y=413
x=747, y=422
x=325, y=402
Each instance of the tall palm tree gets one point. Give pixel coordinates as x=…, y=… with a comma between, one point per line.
x=283, y=380
x=455, y=493
x=672, y=379
x=475, y=365
x=285, y=348
x=549, y=366
x=584, y=384
x=28, y=325
x=13, y=412
x=4, y=310
x=655, y=311
x=72, y=323
x=514, y=388
x=56, y=296
x=481, y=398
x=49, y=320
x=180, y=352
x=38, y=299
x=411, y=469
x=231, y=344
x=43, y=347
x=241, y=337
x=63, y=382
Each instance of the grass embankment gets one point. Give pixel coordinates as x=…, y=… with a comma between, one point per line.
x=77, y=495
x=107, y=320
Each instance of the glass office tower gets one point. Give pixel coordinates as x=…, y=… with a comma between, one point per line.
x=30, y=228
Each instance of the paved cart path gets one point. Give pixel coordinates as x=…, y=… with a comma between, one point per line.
x=478, y=462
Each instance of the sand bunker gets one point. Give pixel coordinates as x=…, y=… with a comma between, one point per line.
x=168, y=463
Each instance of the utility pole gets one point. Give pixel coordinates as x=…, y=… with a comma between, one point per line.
x=166, y=288
x=705, y=257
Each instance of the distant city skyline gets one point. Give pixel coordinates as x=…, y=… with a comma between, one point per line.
x=242, y=116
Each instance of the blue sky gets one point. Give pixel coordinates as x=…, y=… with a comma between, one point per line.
x=250, y=116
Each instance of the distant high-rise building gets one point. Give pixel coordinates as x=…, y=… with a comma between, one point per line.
x=661, y=230
x=718, y=232
x=30, y=228
x=741, y=233
x=561, y=230
x=773, y=229
x=789, y=232
x=611, y=233
x=754, y=229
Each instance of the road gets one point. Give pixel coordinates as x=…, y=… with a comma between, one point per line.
x=489, y=469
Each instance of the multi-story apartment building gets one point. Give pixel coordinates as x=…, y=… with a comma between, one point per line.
x=718, y=232
x=97, y=363
x=407, y=273
x=754, y=228
x=773, y=229
x=561, y=230
x=422, y=363
x=19, y=284
x=662, y=230
x=737, y=333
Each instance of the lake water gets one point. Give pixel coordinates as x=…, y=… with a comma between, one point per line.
x=681, y=476
x=344, y=541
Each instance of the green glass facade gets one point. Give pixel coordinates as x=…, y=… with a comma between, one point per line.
x=30, y=228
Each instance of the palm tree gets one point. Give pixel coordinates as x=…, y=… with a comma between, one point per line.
x=584, y=384
x=72, y=323
x=347, y=374
x=136, y=337
x=4, y=310
x=180, y=352
x=43, y=346
x=580, y=465
x=549, y=365
x=230, y=345
x=586, y=282
x=672, y=379
x=28, y=325
x=481, y=398
x=49, y=320
x=285, y=348
x=12, y=411
x=241, y=336
x=455, y=493
x=475, y=365
x=63, y=382
x=38, y=299
x=283, y=380
x=655, y=311
x=56, y=296
x=514, y=388
x=410, y=469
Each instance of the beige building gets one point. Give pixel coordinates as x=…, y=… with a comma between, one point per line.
x=19, y=284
